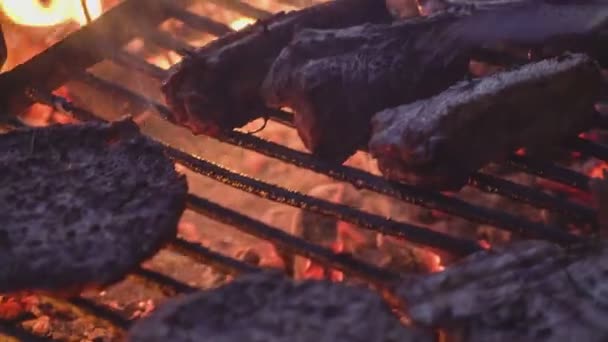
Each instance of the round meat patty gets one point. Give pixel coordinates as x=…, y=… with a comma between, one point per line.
x=267, y=307
x=81, y=205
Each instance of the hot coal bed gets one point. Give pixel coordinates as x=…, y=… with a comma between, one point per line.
x=523, y=235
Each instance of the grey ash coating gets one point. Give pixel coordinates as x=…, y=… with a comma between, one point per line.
x=267, y=307
x=217, y=88
x=527, y=291
x=439, y=141
x=81, y=205
x=335, y=80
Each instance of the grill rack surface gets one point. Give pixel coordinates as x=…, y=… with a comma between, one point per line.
x=31, y=83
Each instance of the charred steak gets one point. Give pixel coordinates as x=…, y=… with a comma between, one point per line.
x=527, y=291
x=217, y=87
x=81, y=205
x=270, y=308
x=439, y=141
x=335, y=80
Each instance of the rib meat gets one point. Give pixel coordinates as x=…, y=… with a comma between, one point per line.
x=528, y=291
x=217, y=87
x=335, y=80
x=81, y=205
x=269, y=307
x=439, y=141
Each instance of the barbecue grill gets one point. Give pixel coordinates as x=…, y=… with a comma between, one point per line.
x=104, y=39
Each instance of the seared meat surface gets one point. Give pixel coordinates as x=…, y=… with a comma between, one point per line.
x=439, y=141
x=526, y=291
x=82, y=205
x=335, y=80
x=217, y=87
x=271, y=308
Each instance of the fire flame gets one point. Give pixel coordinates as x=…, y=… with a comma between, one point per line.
x=241, y=23
x=50, y=12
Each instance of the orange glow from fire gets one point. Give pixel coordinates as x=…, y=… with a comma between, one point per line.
x=49, y=12
x=436, y=265
x=598, y=171
x=241, y=23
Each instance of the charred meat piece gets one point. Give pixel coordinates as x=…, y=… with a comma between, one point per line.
x=438, y=142
x=217, y=87
x=269, y=307
x=81, y=205
x=336, y=80
x=527, y=291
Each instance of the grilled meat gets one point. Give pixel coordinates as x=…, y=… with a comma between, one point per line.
x=216, y=88
x=81, y=205
x=335, y=80
x=269, y=307
x=439, y=141
x=527, y=291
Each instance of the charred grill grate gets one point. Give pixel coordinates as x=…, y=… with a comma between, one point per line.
x=30, y=83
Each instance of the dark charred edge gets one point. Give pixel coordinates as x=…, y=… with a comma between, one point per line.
x=486, y=183
x=101, y=312
x=550, y=171
x=404, y=192
x=206, y=256
x=290, y=243
x=195, y=21
x=81, y=49
x=12, y=330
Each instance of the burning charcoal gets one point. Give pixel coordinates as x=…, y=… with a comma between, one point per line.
x=439, y=141
x=403, y=8
x=269, y=307
x=217, y=87
x=335, y=80
x=81, y=205
x=529, y=291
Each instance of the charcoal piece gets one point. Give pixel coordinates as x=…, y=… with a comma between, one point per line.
x=527, y=291
x=599, y=190
x=217, y=87
x=81, y=205
x=269, y=307
x=336, y=79
x=438, y=142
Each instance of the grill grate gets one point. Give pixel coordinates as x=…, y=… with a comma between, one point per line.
x=20, y=88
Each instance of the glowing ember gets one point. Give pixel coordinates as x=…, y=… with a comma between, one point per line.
x=598, y=170
x=436, y=265
x=241, y=23
x=49, y=12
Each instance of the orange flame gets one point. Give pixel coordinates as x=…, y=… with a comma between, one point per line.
x=49, y=12
x=241, y=23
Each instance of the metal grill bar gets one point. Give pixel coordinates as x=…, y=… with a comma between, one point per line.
x=195, y=21
x=289, y=242
x=101, y=311
x=365, y=180
x=550, y=171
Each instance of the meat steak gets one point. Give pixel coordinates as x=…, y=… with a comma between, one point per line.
x=268, y=307
x=438, y=142
x=527, y=291
x=217, y=87
x=81, y=205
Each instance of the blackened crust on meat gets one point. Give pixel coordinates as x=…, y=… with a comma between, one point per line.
x=270, y=308
x=335, y=80
x=81, y=205
x=439, y=141
x=217, y=87
x=527, y=291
